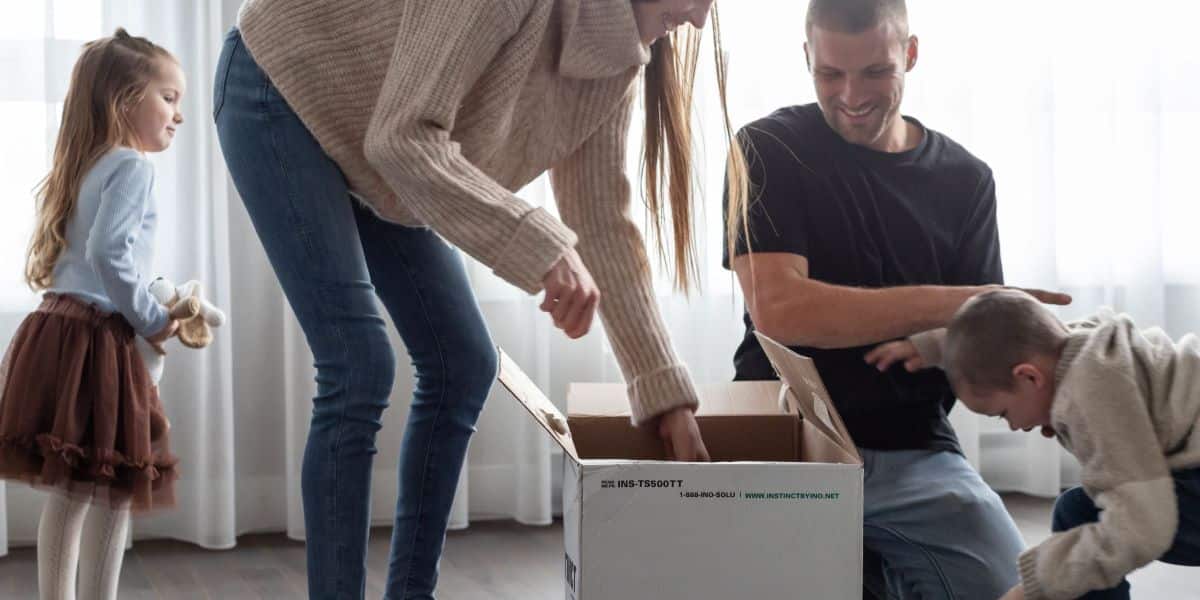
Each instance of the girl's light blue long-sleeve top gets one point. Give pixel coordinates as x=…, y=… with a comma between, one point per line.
x=110, y=241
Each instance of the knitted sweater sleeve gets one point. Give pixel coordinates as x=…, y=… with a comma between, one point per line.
x=440, y=51
x=593, y=195
x=929, y=345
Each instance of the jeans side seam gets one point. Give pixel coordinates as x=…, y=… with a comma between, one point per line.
x=436, y=419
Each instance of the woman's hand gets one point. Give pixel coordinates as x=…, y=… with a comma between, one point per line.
x=681, y=436
x=902, y=351
x=571, y=295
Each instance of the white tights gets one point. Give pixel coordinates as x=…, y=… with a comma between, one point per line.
x=69, y=526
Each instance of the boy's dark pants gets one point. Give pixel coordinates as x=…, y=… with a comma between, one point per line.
x=1075, y=508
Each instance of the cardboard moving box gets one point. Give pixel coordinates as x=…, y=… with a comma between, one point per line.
x=777, y=514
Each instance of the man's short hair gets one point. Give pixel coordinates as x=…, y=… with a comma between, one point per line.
x=856, y=16
x=995, y=331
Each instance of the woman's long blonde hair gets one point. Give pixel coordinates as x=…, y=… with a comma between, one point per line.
x=109, y=78
x=667, y=152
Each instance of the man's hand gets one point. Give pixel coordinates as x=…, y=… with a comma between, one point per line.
x=1017, y=593
x=902, y=351
x=681, y=436
x=1043, y=296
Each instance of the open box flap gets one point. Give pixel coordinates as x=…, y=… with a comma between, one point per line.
x=539, y=406
x=807, y=394
x=819, y=440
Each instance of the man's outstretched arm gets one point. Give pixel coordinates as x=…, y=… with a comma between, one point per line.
x=788, y=306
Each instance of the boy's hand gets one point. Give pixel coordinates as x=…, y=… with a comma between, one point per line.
x=885, y=355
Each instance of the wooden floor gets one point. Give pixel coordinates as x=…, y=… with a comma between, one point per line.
x=490, y=561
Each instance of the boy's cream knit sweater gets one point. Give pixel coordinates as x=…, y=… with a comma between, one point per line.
x=1127, y=405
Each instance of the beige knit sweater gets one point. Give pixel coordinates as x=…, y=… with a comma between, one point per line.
x=438, y=110
x=1127, y=405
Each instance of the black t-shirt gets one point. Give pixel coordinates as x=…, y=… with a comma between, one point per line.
x=870, y=219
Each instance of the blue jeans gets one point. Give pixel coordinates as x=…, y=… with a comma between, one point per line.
x=1074, y=508
x=333, y=259
x=938, y=529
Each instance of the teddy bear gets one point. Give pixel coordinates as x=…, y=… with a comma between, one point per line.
x=196, y=317
x=186, y=303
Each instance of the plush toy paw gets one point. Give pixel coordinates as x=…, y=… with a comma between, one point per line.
x=185, y=308
x=211, y=314
x=186, y=303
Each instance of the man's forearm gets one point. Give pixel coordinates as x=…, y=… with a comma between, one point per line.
x=820, y=315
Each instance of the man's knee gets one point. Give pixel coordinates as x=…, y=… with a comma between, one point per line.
x=1072, y=509
x=993, y=541
x=977, y=503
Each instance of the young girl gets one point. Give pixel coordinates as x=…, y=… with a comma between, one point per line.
x=79, y=412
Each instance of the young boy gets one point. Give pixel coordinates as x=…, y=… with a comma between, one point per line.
x=1124, y=401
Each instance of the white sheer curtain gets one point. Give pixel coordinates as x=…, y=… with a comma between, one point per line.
x=1082, y=109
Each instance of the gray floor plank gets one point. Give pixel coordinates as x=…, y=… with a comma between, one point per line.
x=489, y=561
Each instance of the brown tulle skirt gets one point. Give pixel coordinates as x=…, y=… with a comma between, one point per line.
x=79, y=413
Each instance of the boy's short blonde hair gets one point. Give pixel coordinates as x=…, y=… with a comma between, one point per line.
x=995, y=331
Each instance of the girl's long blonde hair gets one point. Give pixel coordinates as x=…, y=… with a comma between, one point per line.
x=667, y=152
x=109, y=78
